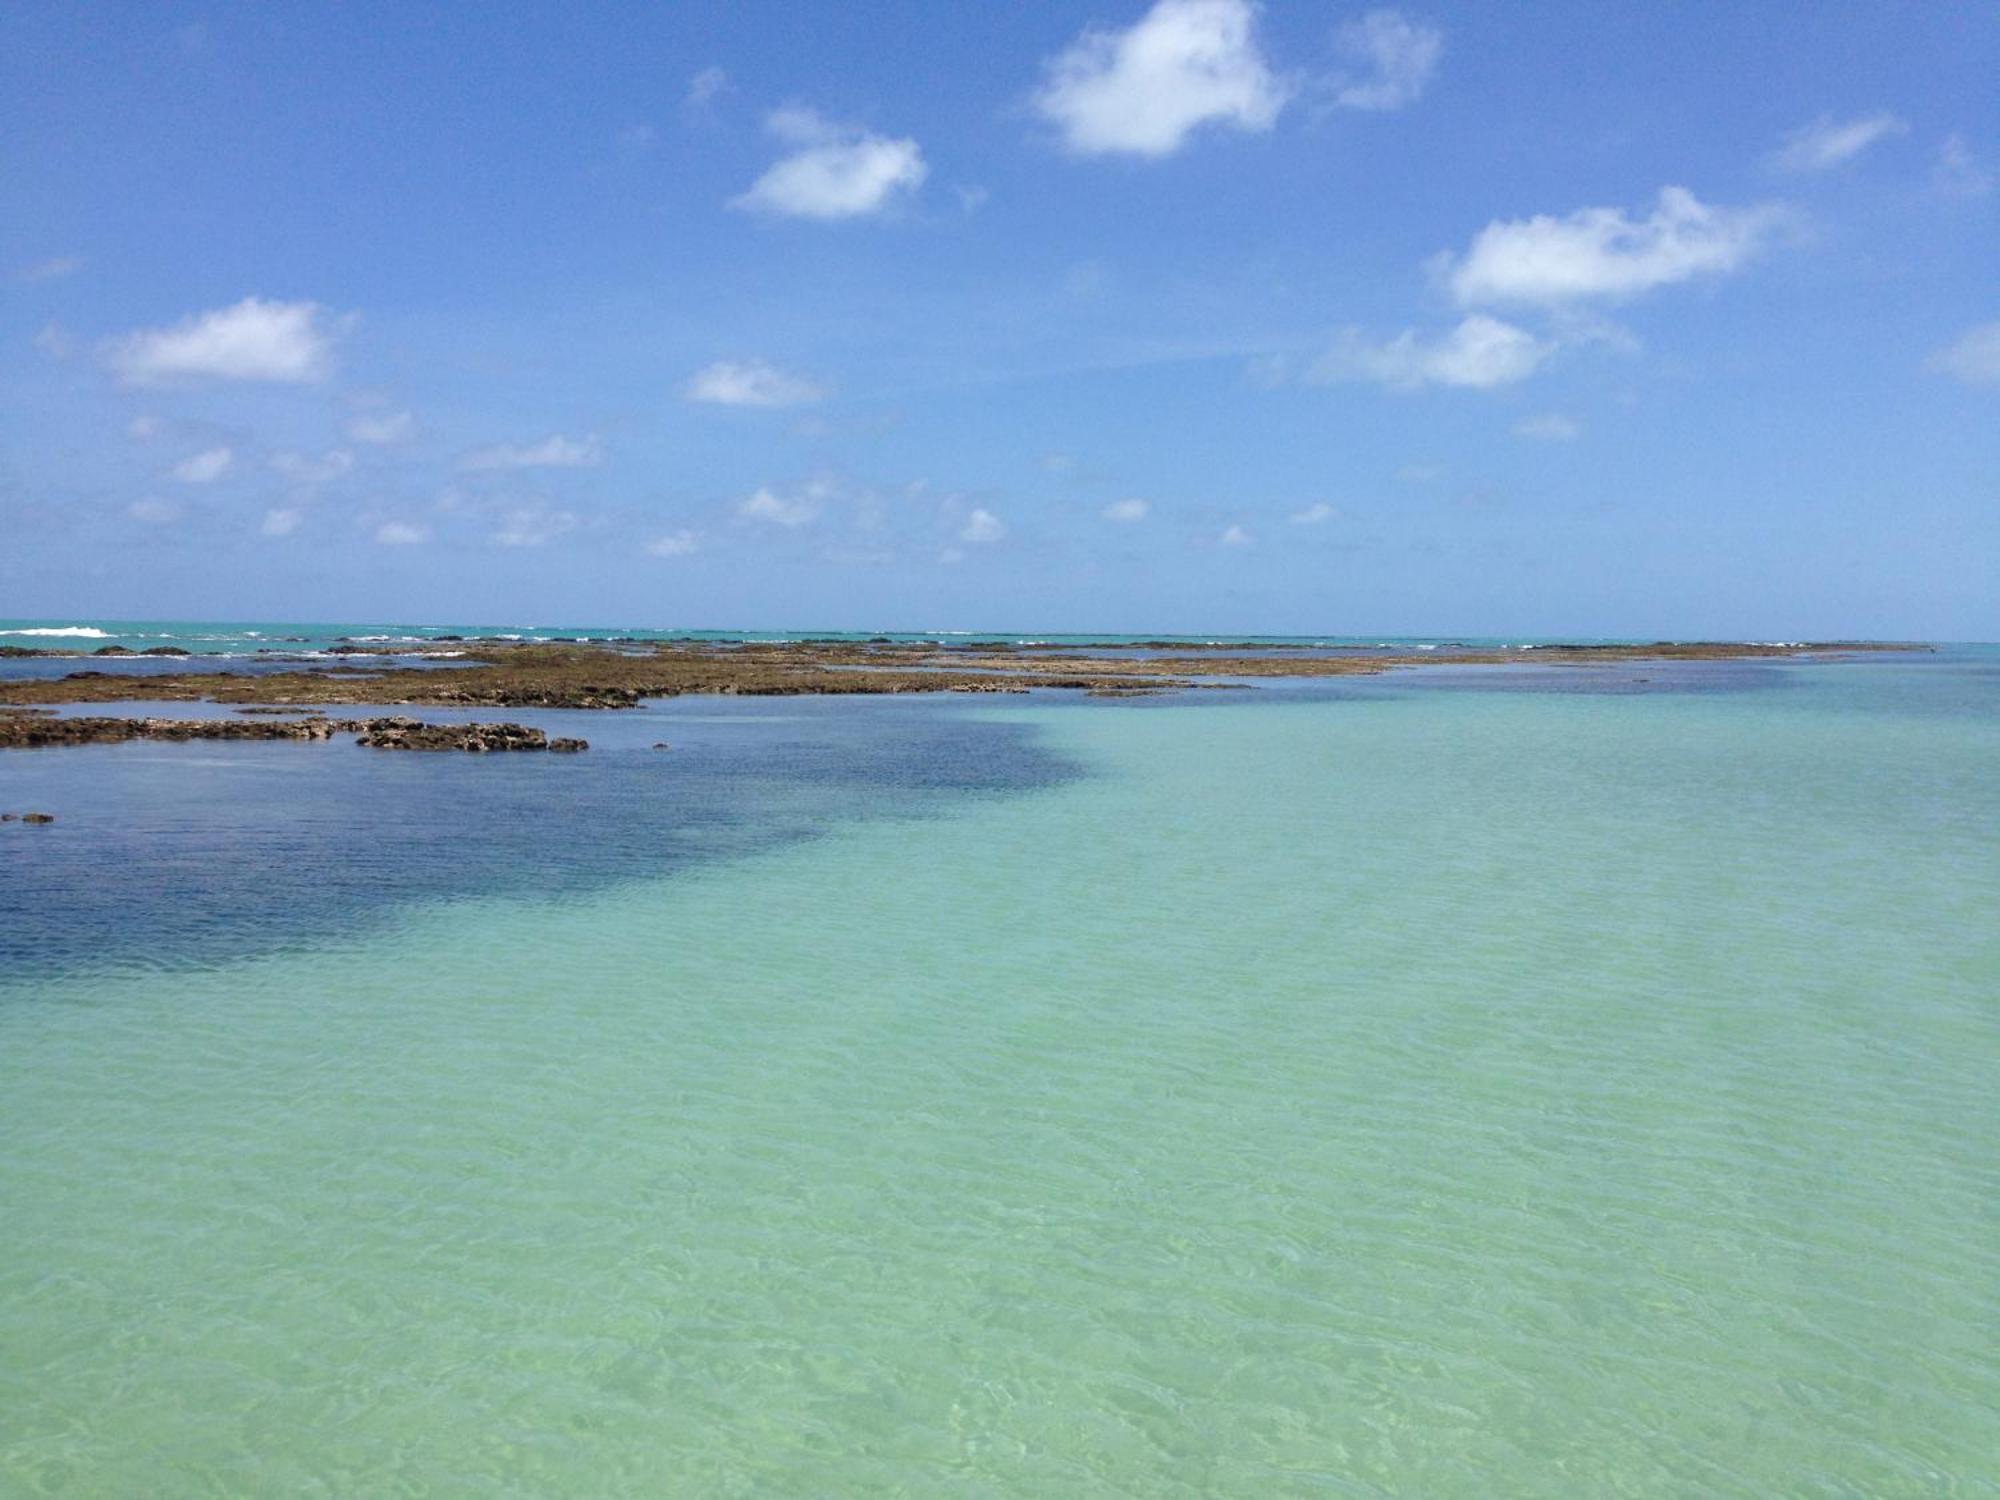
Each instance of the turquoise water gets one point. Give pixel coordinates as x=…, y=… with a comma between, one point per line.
x=244, y=638
x=1436, y=1090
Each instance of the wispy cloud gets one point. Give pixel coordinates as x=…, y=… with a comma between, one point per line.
x=304, y=469
x=1141, y=92
x=1549, y=427
x=1957, y=173
x=382, y=429
x=205, y=467
x=553, y=452
x=281, y=521
x=1127, y=511
x=837, y=171
x=1396, y=58
x=1235, y=536
x=1974, y=356
x=402, y=533
x=1827, y=142
x=1606, y=253
x=283, y=342
x=1480, y=353
x=707, y=86
x=674, y=544
x=750, y=382
x=154, y=511
x=981, y=528
x=50, y=270
x=791, y=511
x=1315, y=515
x=533, y=526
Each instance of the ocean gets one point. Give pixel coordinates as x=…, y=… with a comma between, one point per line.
x=1464, y=1082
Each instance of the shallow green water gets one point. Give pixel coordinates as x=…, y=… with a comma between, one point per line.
x=1449, y=1094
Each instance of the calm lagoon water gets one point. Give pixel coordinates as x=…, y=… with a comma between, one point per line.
x=1550, y=1084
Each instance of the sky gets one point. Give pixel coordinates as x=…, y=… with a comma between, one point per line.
x=1198, y=317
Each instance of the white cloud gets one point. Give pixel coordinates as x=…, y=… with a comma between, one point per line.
x=533, y=526
x=705, y=88
x=1235, y=536
x=1549, y=427
x=749, y=382
x=154, y=511
x=143, y=428
x=1828, y=142
x=254, y=340
x=982, y=526
x=1481, y=352
x=1127, y=510
x=555, y=452
x=51, y=270
x=674, y=544
x=1315, y=515
x=1399, y=55
x=302, y=468
x=1602, y=252
x=1185, y=64
x=768, y=505
x=1957, y=171
x=402, y=533
x=205, y=467
x=837, y=172
x=1973, y=357
x=382, y=429
x=281, y=521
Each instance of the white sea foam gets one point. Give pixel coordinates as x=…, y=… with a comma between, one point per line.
x=86, y=631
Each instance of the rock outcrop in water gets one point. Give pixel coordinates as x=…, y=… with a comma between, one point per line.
x=36, y=731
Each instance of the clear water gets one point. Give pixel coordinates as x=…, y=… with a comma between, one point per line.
x=249, y=639
x=1414, y=1089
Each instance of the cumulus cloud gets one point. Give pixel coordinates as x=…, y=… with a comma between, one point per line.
x=154, y=511
x=1974, y=356
x=1127, y=510
x=1398, y=58
x=749, y=382
x=303, y=468
x=281, y=521
x=1315, y=515
x=283, y=342
x=402, y=533
x=205, y=467
x=1604, y=252
x=837, y=171
x=382, y=429
x=554, y=452
x=1828, y=142
x=981, y=527
x=674, y=544
x=533, y=526
x=1141, y=92
x=1481, y=352
x=1235, y=536
x=791, y=511
x=1957, y=172
x=1549, y=427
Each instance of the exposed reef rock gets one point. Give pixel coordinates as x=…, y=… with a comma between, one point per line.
x=524, y=675
x=27, y=817
x=36, y=731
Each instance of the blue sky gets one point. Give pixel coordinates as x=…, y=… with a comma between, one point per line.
x=1197, y=317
